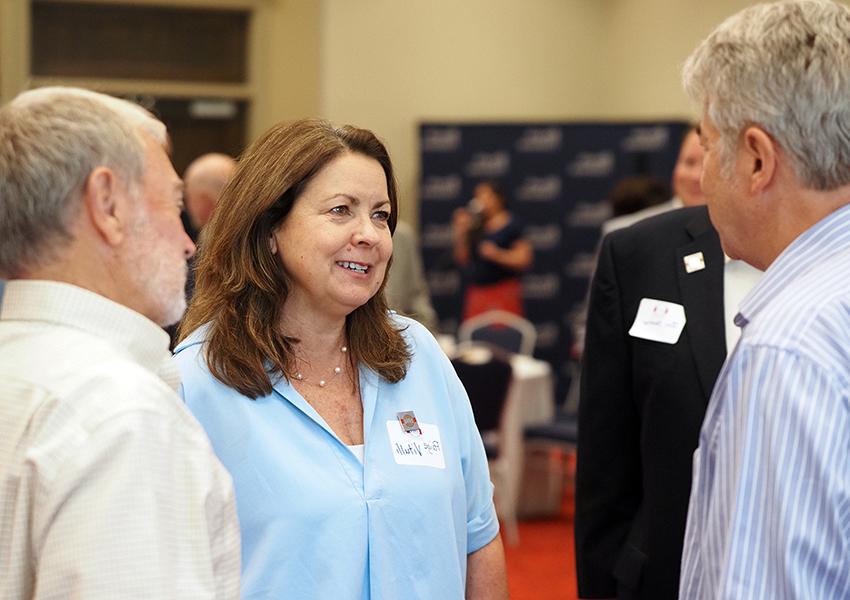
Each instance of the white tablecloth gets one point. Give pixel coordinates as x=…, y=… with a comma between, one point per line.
x=531, y=401
x=533, y=390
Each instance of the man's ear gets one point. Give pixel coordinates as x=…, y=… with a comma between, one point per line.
x=760, y=152
x=105, y=205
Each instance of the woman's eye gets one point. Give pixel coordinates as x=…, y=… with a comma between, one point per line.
x=340, y=210
x=381, y=215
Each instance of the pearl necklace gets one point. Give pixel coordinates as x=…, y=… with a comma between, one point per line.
x=323, y=382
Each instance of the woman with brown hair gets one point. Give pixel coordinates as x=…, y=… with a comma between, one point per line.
x=358, y=469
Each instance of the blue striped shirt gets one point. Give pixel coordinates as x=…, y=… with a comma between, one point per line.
x=770, y=505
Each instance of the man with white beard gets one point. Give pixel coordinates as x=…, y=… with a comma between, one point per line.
x=108, y=487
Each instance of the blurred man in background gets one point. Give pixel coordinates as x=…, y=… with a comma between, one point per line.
x=204, y=179
x=685, y=182
x=686, y=192
x=659, y=325
x=407, y=290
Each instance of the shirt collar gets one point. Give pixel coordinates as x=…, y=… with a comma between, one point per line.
x=64, y=304
x=813, y=246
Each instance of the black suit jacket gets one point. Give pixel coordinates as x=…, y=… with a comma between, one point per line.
x=642, y=405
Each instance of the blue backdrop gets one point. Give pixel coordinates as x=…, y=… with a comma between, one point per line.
x=557, y=177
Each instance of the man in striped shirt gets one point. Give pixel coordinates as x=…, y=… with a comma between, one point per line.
x=770, y=505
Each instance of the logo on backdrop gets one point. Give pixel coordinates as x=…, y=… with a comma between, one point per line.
x=543, y=237
x=443, y=283
x=646, y=139
x=548, y=333
x=539, y=189
x=443, y=139
x=437, y=235
x=558, y=176
x=488, y=164
x=442, y=187
x=541, y=286
x=582, y=265
x=539, y=139
x=588, y=214
x=592, y=164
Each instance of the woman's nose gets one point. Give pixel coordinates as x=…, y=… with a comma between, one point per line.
x=366, y=232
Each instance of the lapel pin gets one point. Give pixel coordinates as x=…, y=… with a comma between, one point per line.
x=694, y=262
x=408, y=422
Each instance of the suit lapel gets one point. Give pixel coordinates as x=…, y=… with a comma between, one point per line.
x=702, y=296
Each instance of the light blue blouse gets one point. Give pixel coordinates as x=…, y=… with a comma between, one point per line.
x=318, y=523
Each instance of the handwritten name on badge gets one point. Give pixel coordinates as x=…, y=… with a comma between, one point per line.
x=423, y=449
x=659, y=321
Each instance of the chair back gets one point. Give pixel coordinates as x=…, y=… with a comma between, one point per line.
x=502, y=329
x=487, y=378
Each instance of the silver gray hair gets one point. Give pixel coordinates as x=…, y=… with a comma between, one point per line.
x=51, y=139
x=785, y=67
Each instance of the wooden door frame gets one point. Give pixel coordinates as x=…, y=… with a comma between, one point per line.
x=16, y=75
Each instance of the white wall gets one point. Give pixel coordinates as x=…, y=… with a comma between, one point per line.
x=389, y=64
x=647, y=41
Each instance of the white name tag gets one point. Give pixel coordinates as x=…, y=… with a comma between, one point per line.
x=421, y=449
x=659, y=321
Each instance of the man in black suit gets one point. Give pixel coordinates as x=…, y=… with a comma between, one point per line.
x=643, y=400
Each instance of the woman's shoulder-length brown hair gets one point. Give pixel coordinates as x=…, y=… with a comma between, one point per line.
x=240, y=286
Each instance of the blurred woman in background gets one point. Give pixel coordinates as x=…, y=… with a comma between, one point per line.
x=488, y=245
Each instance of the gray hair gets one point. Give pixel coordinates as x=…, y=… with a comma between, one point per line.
x=51, y=139
x=786, y=68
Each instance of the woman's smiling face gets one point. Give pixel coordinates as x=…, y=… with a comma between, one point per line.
x=335, y=243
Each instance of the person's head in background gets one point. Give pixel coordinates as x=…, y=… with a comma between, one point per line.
x=490, y=198
x=632, y=194
x=773, y=82
x=688, y=169
x=204, y=179
x=90, y=198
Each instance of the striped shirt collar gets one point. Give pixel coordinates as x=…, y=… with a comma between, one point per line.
x=813, y=246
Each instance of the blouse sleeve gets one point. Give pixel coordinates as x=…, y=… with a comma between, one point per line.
x=482, y=524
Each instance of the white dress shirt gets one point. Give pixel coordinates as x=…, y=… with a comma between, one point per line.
x=623, y=221
x=108, y=486
x=738, y=279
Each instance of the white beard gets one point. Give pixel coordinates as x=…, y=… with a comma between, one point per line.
x=158, y=276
